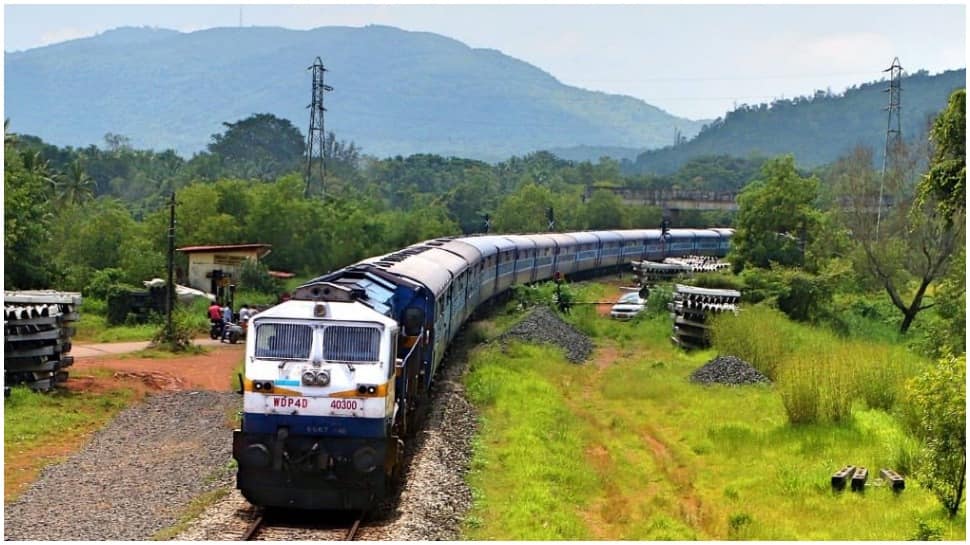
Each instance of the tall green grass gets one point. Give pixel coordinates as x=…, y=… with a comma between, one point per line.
x=759, y=335
x=819, y=375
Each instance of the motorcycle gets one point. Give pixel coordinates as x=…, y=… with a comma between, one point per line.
x=215, y=330
x=233, y=333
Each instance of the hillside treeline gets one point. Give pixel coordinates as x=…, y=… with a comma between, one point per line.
x=73, y=211
x=816, y=129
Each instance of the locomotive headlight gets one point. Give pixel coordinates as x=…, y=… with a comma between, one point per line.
x=322, y=378
x=365, y=459
x=309, y=378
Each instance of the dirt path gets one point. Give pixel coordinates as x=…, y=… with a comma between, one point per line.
x=209, y=371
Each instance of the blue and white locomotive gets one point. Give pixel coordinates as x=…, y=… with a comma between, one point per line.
x=334, y=376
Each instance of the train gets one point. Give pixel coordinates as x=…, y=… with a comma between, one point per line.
x=334, y=377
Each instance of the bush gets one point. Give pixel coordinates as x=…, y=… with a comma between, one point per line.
x=938, y=399
x=928, y=530
x=723, y=280
x=254, y=275
x=657, y=301
x=103, y=282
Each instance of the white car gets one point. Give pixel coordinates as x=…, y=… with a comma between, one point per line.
x=628, y=306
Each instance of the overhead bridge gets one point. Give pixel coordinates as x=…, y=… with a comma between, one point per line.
x=678, y=199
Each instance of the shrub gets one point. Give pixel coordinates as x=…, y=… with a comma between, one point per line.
x=254, y=275
x=657, y=301
x=938, y=398
x=103, y=282
x=722, y=280
x=928, y=530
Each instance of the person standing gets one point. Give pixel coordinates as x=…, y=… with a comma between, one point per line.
x=226, y=314
x=215, y=315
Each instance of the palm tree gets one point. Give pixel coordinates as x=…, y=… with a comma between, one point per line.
x=34, y=163
x=8, y=137
x=75, y=186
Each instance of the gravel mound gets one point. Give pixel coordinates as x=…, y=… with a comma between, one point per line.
x=135, y=475
x=543, y=325
x=728, y=370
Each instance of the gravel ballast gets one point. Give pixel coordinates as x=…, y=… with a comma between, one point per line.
x=728, y=370
x=135, y=476
x=543, y=325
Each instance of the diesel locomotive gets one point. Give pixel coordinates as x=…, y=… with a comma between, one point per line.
x=333, y=377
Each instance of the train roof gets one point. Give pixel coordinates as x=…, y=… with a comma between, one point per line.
x=304, y=310
x=423, y=270
x=585, y=237
x=489, y=244
x=543, y=240
x=521, y=241
x=467, y=251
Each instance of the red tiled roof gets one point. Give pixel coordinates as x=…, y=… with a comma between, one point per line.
x=281, y=274
x=219, y=247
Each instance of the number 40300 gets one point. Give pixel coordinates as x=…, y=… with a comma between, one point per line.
x=345, y=404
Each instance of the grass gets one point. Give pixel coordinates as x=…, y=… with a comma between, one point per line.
x=93, y=328
x=624, y=447
x=819, y=374
x=41, y=429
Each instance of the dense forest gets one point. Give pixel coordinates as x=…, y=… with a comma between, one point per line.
x=105, y=206
x=816, y=129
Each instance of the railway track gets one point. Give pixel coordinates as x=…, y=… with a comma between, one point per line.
x=303, y=527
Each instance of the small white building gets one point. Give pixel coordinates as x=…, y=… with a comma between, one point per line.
x=215, y=266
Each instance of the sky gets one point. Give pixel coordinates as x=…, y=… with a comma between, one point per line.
x=695, y=61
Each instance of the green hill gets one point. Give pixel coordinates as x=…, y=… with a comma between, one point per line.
x=816, y=129
x=396, y=92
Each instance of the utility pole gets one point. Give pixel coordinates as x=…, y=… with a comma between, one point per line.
x=894, y=135
x=316, y=137
x=170, y=285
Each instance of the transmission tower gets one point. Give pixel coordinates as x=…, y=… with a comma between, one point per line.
x=316, y=137
x=894, y=131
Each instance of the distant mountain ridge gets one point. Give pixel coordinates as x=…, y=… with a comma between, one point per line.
x=396, y=92
x=816, y=129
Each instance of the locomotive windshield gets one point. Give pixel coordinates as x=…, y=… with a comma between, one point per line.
x=283, y=341
x=351, y=344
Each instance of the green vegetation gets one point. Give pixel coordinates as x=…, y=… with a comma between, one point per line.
x=39, y=429
x=828, y=124
x=939, y=404
x=624, y=447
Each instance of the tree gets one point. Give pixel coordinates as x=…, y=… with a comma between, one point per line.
x=946, y=181
x=939, y=401
x=75, y=186
x=776, y=217
x=906, y=245
x=525, y=210
x=605, y=210
x=26, y=219
x=261, y=146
